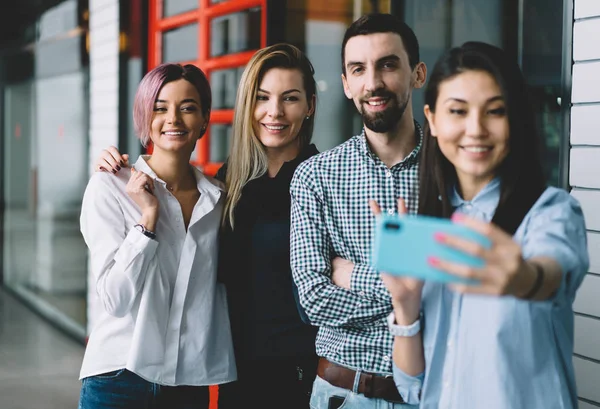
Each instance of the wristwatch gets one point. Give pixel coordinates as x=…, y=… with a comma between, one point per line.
x=403, y=330
x=142, y=229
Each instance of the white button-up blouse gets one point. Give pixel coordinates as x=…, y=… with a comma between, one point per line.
x=164, y=316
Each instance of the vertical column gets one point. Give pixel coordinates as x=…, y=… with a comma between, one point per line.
x=104, y=97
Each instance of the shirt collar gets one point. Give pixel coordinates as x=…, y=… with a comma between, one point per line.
x=288, y=168
x=485, y=201
x=207, y=186
x=412, y=157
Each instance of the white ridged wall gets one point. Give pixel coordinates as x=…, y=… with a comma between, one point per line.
x=585, y=180
x=104, y=96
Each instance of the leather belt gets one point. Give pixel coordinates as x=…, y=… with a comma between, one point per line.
x=370, y=385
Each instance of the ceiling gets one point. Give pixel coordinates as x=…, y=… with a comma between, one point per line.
x=16, y=16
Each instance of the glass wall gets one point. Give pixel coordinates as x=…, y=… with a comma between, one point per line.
x=45, y=145
x=318, y=28
x=530, y=30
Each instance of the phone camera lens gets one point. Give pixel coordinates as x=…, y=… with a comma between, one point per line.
x=392, y=226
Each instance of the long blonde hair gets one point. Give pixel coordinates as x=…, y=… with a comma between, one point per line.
x=248, y=159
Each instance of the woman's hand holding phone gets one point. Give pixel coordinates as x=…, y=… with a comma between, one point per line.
x=505, y=271
x=405, y=290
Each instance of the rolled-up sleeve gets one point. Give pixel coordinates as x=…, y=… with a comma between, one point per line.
x=119, y=254
x=408, y=386
x=557, y=230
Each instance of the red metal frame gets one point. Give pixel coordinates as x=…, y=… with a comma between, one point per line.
x=203, y=15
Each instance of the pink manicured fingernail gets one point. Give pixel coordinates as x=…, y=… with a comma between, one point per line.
x=441, y=237
x=434, y=261
x=457, y=217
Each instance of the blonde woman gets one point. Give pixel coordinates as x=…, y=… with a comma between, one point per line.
x=272, y=129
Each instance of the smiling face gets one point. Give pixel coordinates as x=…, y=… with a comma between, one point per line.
x=177, y=121
x=281, y=108
x=471, y=126
x=379, y=79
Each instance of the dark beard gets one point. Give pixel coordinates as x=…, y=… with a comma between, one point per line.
x=387, y=120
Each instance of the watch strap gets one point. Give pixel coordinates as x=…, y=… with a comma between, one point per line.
x=148, y=233
x=403, y=330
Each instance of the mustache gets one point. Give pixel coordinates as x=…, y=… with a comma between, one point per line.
x=379, y=94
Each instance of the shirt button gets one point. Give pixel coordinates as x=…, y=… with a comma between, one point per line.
x=390, y=211
x=386, y=358
x=361, y=293
x=388, y=173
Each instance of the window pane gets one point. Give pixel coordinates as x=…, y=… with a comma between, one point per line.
x=174, y=7
x=542, y=66
x=235, y=32
x=441, y=24
x=181, y=44
x=220, y=140
x=45, y=255
x=224, y=85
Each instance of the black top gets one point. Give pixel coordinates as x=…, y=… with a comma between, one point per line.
x=266, y=319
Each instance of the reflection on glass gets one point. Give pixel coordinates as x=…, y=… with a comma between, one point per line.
x=235, y=32
x=220, y=140
x=224, y=85
x=441, y=24
x=45, y=256
x=174, y=7
x=542, y=66
x=240, y=72
x=180, y=44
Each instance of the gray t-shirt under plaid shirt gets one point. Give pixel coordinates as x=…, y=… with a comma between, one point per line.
x=331, y=217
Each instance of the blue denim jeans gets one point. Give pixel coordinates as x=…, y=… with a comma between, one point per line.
x=323, y=391
x=123, y=389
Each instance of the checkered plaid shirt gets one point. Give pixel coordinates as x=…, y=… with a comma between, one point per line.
x=331, y=217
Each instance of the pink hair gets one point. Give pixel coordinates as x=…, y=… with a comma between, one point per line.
x=150, y=86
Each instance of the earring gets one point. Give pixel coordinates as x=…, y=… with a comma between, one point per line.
x=307, y=116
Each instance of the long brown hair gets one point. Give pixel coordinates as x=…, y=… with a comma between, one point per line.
x=521, y=173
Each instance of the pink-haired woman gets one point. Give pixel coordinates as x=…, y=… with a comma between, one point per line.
x=163, y=334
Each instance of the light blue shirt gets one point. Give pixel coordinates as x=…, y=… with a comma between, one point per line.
x=501, y=352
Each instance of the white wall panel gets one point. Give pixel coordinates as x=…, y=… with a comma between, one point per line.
x=586, y=82
x=585, y=124
x=588, y=298
x=586, y=8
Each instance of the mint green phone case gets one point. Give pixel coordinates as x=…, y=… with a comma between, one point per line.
x=402, y=245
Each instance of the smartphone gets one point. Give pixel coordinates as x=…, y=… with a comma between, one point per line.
x=403, y=243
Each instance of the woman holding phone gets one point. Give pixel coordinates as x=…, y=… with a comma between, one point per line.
x=272, y=130
x=163, y=334
x=506, y=342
